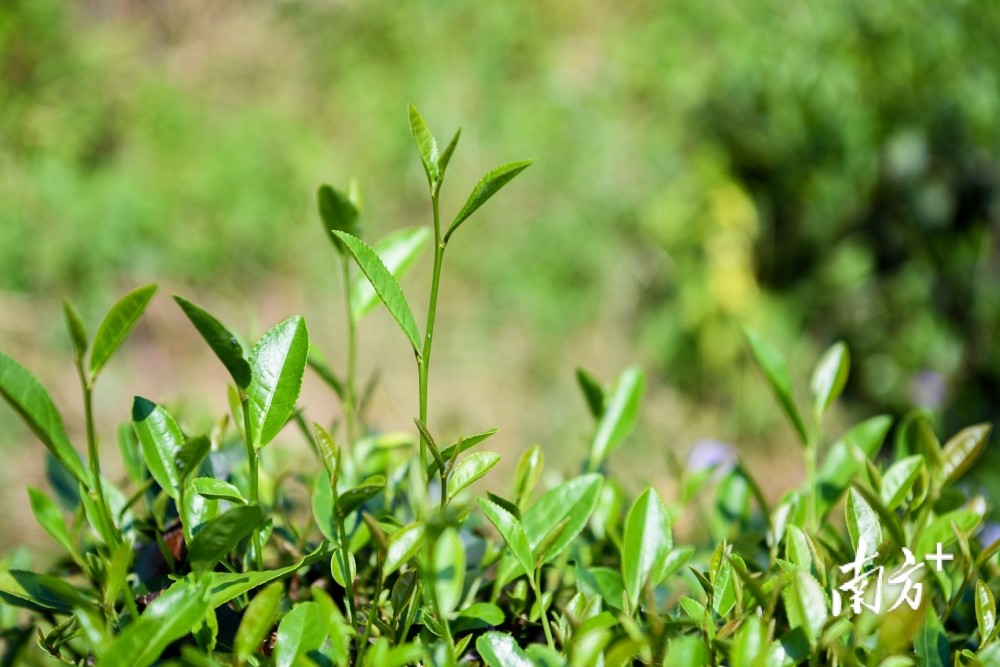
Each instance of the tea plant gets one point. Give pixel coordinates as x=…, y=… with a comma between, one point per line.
x=202, y=556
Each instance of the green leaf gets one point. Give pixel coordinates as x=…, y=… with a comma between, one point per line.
x=277, y=364
x=575, y=498
x=327, y=450
x=403, y=545
x=471, y=468
x=722, y=579
x=961, y=451
x=619, y=417
x=169, y=617
x=160, y=440
x=221, y=535
x=646, y=544
x=940, y=530
x=529, y=470
x=337, y=213
x=931, y=643
x=847, y=456
x=487, y=186
x=49, y=517
x=77, y=329
x=592, y=392
x=322, y=506
x=499, y=649
x=350, y=500
x=398, y=251
x=229, y=586
x=40, y=592
x=862, y=522
x=806, y=605
x=117, y=325
x=449, y=571
x=426, y=145
x=772, y=364
x=258, y=619
x=829, y=377
x=190, y=456
x=343, y=567
x=749, y=649
x=549, y=541
x=986, y=611
x=29, y=399
x=687, y=650
x=446, y=154
x=216, y=489
x=463, y=445
x=385, y=286
x=898, y=480
x=299, y=632
x=511, y=531
x=325, y=374
x=220, y=339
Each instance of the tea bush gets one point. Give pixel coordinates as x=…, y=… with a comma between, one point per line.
x=198, y=556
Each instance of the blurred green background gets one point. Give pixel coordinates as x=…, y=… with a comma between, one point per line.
x=820, y=171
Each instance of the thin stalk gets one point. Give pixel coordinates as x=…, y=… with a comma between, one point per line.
x=351, y=603
x=253, y=461
x=811, y=478
x=342, y=532
x=349, y=393
x=537, y=585
x=812, y=499
x=424, y=361
x=92, y=457
x=372, y=610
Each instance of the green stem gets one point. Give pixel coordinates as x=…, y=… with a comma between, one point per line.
x=424, y=361
x=93, y=458
x=352, y=609
x=537, y=585
x=252, y=460
x=372, y=610
x=349, y=393
x=811, y=479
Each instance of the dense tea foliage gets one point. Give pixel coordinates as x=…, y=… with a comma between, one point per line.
x=199, y=556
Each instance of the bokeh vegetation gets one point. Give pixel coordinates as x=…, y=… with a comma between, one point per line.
x=821, y=172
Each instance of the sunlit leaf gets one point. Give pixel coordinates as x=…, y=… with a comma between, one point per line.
x=829, y=377
x=398, y=252
x=862, y=522
x=449, y=571
x=646, y=544
x=385, y=286
x=619, y=416
x=487, y=186
x=511, y=531
x=500, y=650
x=31, y=401
x=117, y=325
x=277, y=364
x=403, y=545
x=469, y=469
x=160, y=440
x=216, y=489
x=426, y=145
x=962, y=451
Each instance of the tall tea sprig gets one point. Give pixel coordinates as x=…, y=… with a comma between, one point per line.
x=435, y=163
x=112, y=332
